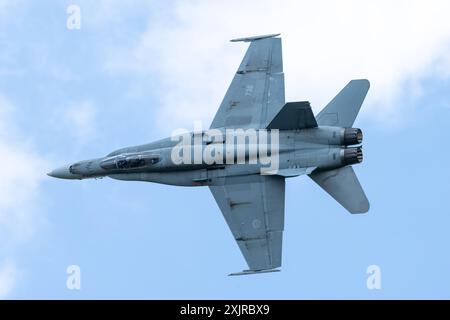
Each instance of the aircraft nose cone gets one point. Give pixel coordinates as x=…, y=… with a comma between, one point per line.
x=61, y=173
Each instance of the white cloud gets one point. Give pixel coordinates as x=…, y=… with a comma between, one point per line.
x=19, y=180
x=22, y=173
x=8, y=277
x=108, y=12
x=80, y=120
x=325, y=43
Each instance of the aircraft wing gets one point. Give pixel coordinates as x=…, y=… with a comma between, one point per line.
x=256, y=93
x=254, y=211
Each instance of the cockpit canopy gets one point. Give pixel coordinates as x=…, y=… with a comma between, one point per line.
x=131, y=161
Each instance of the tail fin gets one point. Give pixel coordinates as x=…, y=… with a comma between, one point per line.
x=343, y=109
x=343, y=185
x=294, y=115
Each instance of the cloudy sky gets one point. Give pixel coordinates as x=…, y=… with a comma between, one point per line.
x=137, y=70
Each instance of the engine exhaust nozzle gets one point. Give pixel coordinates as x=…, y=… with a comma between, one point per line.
x=352, y=136
x=352, y=156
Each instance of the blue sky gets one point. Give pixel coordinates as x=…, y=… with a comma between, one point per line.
x=136, y=71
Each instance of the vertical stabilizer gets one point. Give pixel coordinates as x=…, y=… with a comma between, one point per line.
x=343, y=109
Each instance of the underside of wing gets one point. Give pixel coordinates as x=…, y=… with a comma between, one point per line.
x=256, y=93
x=254, y=211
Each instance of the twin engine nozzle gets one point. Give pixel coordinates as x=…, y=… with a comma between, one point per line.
x=352, y=155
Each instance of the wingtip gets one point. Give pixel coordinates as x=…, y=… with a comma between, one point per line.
x=249, y=272
x=254, y=38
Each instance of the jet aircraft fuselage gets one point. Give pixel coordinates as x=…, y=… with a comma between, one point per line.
x=321, y=148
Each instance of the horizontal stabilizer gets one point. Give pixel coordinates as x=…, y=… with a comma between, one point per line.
x=293, y=116
x=343, y=109
x=343, y=185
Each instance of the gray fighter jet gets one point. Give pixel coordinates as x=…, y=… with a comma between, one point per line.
x=249, y=193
